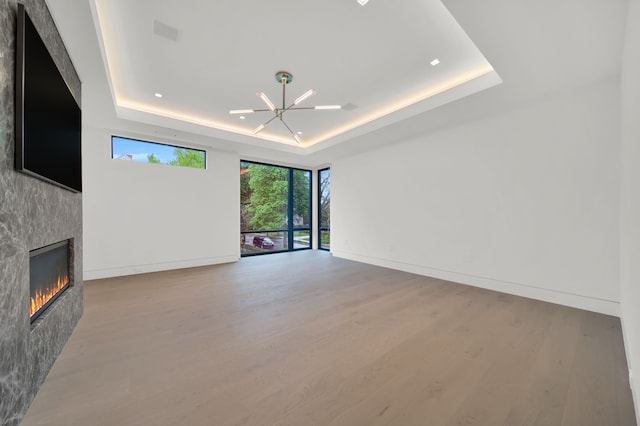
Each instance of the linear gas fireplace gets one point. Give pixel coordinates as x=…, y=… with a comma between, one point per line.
x=49, y=275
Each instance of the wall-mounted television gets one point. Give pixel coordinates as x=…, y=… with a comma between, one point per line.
x=48, y=118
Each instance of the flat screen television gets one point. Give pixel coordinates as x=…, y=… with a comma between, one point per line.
x=48, y=118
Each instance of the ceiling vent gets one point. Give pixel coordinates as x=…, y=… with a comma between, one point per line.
x=165, y=31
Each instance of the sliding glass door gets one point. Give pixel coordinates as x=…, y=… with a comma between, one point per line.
x=275, y=208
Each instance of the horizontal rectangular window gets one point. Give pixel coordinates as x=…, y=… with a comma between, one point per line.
x=152, y=152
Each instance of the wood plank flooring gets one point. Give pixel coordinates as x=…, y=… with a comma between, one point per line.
x=307, y=339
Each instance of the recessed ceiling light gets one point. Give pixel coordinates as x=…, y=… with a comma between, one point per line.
x=242, y=117
x=158, y=95
x=435, y=62
x=299, y=132
x=362, y=2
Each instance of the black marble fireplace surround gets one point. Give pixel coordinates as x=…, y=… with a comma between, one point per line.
x=33, y=214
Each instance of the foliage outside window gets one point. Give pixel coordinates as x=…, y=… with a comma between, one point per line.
x=269, y=196
x=324, y=209
x=157, y=153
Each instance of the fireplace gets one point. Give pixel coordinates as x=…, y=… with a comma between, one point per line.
x=49, y=276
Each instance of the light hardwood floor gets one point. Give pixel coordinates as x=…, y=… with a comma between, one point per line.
x=307, y=339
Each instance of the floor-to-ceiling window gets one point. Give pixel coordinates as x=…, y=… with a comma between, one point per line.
x=324, y=213
x=275, y=208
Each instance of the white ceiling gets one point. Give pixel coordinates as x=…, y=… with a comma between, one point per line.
x=372, y=56
x=217, y=55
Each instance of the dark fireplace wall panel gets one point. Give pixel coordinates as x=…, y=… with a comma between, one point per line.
x=33, y=214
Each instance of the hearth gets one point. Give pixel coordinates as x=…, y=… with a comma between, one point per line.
x=49, y=274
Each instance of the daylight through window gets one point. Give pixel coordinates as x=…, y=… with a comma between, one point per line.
x=324, y=210
x=275, y=208
x=152, y=152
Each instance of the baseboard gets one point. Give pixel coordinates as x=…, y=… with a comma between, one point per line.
x=96, y=274
x=607, y=307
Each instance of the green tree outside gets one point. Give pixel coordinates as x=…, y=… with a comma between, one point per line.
x=245, y=196
x=301, y=198
x=269, y=187
x=264, y=195
x=325, y=198
x=183, y=157
x=153, y=159
x=188, y=158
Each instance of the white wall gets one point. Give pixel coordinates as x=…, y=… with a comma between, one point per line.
x=141, y=217
x=630, y=197
x=524, y=202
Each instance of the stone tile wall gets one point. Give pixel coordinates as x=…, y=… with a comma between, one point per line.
x=33, y=214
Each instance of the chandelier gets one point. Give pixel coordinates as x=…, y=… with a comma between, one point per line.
x=284, y=78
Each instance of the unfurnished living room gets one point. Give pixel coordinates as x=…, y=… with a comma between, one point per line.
x=342, y=212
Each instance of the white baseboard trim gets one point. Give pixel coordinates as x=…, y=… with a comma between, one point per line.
x=607, y=307
x=96, y=274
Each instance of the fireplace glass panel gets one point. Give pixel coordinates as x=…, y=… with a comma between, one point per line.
x=49, y=276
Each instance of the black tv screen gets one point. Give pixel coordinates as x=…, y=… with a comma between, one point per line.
x=48, y=119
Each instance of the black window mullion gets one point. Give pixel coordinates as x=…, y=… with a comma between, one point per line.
x=290, y=210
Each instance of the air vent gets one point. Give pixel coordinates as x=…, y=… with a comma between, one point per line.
x=165, y=31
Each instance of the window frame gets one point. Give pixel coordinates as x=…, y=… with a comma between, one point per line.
x=135, y=139
x=291, y=228
x=320, y=227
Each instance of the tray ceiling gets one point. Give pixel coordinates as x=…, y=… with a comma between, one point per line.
x=206, y=58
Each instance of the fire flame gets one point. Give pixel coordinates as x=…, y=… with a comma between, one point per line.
x=43, y=296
